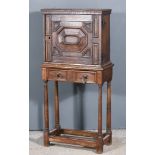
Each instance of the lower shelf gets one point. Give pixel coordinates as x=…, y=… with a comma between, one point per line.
x=77, y=137
x=73, y=141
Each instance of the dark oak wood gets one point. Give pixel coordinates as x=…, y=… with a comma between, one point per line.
x=79, y=132
x=56, y=101
x=46, y=114
x=106, y=139
x=108, y=122
x=77, y=49
x=79, y=137
x=99, y=141
x=54, y=131
x=73, y=140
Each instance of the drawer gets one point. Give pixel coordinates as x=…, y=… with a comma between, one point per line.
x=85, y=77
x=72, y=76
x=60, y=75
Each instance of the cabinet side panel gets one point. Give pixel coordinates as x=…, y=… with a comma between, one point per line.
x=106, y=38
x=95, y=53
x=96, y=39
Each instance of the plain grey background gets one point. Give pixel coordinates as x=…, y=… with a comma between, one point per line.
x=78, y=102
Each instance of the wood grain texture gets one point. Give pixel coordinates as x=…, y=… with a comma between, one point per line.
x=99, y=142
x=56, y=105
x=75, y=11
x=46, y=114
x=44, y=74
x=79, y=133
x=108, y=118
x=73, y=141
x=105, y=38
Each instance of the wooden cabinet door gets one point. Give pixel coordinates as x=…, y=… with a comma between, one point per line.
x=72, y=39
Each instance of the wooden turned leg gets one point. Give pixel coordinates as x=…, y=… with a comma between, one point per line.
x=108, y=121
x=46, y=114
x=56, y=105
x=99, y=148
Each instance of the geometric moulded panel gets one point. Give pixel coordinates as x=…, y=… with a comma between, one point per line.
x=71, y=40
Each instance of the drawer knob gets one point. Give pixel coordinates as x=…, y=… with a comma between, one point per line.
x=84, y=78
x=59, y=75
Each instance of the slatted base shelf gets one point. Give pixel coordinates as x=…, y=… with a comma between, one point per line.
x=78, y=137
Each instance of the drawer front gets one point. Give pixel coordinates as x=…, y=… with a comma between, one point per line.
x=60, y=75
x=72, y=76
x=85, y=77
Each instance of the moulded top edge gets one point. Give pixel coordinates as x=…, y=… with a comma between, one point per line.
x=75, y=11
